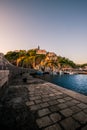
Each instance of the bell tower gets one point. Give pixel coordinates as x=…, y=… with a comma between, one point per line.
x=38, y=47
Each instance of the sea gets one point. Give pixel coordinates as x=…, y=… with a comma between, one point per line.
x=75, y=82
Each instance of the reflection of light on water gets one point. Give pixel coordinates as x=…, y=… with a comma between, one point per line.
x=77, y=83
x=81, y=79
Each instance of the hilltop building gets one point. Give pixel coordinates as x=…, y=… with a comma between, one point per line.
x=16, y=50
x=39, y=51
x=44, y=52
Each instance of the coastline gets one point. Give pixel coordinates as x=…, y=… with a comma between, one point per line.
x=69, y=92
x=37, y=104
x=67, y=81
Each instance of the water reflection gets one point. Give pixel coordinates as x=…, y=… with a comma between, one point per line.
x=77, y=83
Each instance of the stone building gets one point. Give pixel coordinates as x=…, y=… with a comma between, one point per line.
x=44, y=52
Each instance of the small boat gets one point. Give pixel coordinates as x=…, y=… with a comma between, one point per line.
x=39, y=73
x=60, y=72
x=71, y=73
x=54, y=73
x=45, y=72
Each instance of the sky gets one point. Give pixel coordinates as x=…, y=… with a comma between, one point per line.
x=58, y=26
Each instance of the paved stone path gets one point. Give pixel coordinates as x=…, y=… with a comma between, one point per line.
x=53, y=107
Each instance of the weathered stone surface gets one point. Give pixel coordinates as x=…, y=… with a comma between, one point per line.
x=62, y=106
x=35, y=98
x=35, y=107
x=43, y=105
x=55, y=117
x=58, y=93
x=67, y=98
x=43, y=112
x=53, y=98
x=43, y=122
x=16, y=100
x=45, y=99
x=44, y=96
x=59, y=96
x=61, y=100
x=51, y=95
x=75, y=109
x=82, y=105
x=81, y=117
x=54, y=108
x=50, y=107
x=75, y=101
x=53, y=127
x=38, y=101
x=29, y=103
x=70, y=124
x=54, y=102
x=70, y=103
x=66, y=112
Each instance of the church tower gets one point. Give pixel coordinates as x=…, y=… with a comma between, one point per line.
x=38, y=47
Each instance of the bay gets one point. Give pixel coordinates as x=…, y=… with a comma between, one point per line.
x=77, y=83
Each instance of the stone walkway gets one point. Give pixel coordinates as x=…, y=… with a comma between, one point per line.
x=50, y=107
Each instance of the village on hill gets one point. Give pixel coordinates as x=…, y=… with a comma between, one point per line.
x=41, y=60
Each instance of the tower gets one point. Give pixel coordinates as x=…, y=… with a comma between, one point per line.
x=38, y=47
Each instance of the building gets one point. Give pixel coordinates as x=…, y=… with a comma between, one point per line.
x=44, y=52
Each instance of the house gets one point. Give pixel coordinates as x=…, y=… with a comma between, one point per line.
x=44, y=52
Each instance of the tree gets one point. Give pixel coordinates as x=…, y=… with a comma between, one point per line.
x=39, y=58
x=12, y=56
x=62, y=61
x=31, y=52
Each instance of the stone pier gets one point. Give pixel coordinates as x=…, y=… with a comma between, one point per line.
x=39, y=105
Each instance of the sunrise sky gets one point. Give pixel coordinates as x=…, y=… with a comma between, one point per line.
x=59, y=26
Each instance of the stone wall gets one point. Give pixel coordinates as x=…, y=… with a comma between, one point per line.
x=4, y=75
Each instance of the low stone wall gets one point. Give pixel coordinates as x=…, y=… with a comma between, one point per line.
x=4, y=75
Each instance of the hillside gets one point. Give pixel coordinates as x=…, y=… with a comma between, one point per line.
x=4, y=63
x=39, y=59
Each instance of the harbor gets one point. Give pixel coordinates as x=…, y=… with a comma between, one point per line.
x=37, y=104
x=43, y=65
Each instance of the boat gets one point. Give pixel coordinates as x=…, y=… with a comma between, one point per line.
x=39, y=73
x=61, y=72
x=45, y=72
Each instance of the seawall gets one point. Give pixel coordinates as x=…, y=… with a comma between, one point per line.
x=4, y=76
x=40, y=105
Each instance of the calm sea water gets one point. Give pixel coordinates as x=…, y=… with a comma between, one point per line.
x=76, y=83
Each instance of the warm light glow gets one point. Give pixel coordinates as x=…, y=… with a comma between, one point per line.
x=56, y=26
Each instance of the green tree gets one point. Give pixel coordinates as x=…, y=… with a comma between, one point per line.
x=31, y=52
x=39, y=58
x=12, y=56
